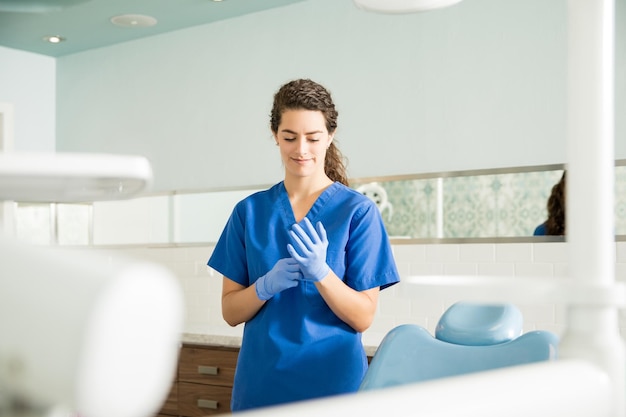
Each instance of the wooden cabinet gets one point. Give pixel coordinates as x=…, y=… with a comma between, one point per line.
x=170, y=407
x=204, y=382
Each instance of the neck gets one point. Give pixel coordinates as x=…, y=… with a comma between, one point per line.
x=303, y=187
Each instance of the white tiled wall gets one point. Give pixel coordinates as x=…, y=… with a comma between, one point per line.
x=401, y=303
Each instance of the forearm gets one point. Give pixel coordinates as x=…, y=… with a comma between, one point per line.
x=356, y=308
x=239, y=303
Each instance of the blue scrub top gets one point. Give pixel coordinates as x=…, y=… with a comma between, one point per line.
x=295, y=347
x=540, y=230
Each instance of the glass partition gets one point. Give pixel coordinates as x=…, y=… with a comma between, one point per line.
x=201, y=216
x=144, y=220
x=485, y=204
x=74, y=224
x=34, y=223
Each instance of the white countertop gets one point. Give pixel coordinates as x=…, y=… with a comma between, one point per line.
x=234, y=341
x=213, y=340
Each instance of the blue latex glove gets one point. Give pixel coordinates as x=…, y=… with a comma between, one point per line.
x=308, y=247
x=284, y=274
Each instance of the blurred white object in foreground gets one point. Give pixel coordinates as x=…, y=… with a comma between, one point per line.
x=569, y=388
x=71, y=177
x=96, y=334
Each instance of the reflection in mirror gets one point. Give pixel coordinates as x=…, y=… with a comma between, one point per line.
x=473, y=206
x=497, y=203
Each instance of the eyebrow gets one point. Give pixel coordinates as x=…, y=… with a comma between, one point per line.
x=306, y=133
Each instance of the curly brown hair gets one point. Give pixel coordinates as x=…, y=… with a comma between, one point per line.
x=555, y=225
x=304, y=94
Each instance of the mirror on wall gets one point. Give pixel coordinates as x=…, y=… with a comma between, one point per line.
x=493, y=203
x=485, y=204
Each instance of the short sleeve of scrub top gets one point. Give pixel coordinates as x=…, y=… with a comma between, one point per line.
x=540, y=230
x=295, y=347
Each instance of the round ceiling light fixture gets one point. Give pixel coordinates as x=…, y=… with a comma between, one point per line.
x=54, y=39
x=403, y=6
x=133, y=21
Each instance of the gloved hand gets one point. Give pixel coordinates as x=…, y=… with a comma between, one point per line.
x=308, y=247
x=284, y=274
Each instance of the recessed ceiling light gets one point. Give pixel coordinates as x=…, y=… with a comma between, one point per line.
x=54, y=39
x=133, y=21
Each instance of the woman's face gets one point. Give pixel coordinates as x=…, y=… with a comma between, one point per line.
x=303, y=139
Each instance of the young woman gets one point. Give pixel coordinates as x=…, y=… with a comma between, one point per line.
x=302, y=264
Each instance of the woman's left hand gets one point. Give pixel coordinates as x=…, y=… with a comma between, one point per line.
x=308, y=247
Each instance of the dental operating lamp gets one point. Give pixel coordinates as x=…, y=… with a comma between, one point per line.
x=93, y=334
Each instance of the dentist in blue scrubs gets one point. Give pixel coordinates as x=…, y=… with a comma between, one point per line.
x=302, y=263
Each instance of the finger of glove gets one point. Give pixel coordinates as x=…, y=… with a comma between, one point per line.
x=299, y=247
x=321, y=231
x=304, y=236
x=285, y=281
x=311, y=232
x=287, y=264
x=291, y=283
x=296, y=255
x=295, y=269
x=292, y=275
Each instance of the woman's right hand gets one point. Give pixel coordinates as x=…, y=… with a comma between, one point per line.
x=285, y=274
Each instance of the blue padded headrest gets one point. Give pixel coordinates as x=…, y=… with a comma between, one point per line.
x=473, y=324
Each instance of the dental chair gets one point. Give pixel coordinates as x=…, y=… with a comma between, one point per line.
x=468, y=338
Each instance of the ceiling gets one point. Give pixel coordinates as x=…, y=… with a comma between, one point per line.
x=86, y=24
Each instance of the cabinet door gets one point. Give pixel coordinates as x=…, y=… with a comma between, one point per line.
x=170, y=407
x=197, y=400
x=207, y=366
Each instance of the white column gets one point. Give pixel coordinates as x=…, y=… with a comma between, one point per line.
x=592, y=331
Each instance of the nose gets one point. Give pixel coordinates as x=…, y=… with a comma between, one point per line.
x=303, y=146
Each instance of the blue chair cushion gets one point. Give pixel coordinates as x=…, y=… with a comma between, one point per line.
x=409, y=353
x=472, y=324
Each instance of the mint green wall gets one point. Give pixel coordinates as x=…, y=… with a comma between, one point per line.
x=28, y=82
x=478, y=85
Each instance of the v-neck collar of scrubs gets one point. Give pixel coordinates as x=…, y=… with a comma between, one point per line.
x=315, y=210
